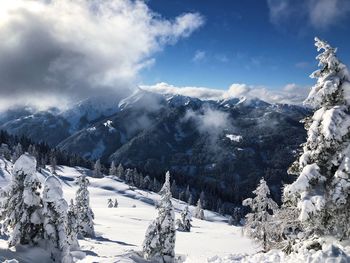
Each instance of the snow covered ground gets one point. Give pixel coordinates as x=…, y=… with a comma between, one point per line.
x=120, y=231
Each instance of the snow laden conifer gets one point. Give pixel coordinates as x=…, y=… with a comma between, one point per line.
x=184, y=223
x=55, y=221
x=262, y=207
x=199, y=212
x=109, y=203
x=21, y=211
x=72, y=227
x=113, y=169
x=83, y=210
x=159, y=243
x=321, y=191
x=97, y=169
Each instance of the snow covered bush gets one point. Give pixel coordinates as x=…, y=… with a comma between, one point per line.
x=83, y=210
x=258, y=221
x=55, y=221
x=321, y=191
x=199, y=212
x=184, y=224
x=159, y=243
x=21, y=211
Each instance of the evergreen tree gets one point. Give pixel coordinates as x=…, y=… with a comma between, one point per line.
x=18, y=151
x=113, y=169
x=188, y=194
x=262, y=207
x=199, y=212
x=120, y=171
x=109, y=203
x=190, y=200
x=184, y=224
x=53, y=161
x=321, y=191
x=203, y=199
x=83, y=210
x=174, y=189
x=146, y=184
x=159, y=243
x=97, y=169
x=72, y=227
x=21, y=210
x=55, y=220
x=115, y=203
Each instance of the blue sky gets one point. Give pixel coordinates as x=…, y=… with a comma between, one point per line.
x=256, y=42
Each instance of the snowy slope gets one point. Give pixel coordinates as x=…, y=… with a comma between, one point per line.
x=121, y=230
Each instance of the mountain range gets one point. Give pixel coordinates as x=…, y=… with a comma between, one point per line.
x=221, y=147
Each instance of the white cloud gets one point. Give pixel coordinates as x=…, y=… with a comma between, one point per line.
x=73, y=48
x=199, y=56
x=320, y=14
x=290, y=94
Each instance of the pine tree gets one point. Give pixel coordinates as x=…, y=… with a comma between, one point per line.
x=159, y=243
x=120, y=172
x=72, y=227
x=83, y=210
x=113, y=169
x=174, y=189
x=109, y=203
x=199, y=212
x=17, y=152
x=262, y=207
x=21, y=211
x=97, y=169
x=55, y=220
x=146, y=184
x=115, y=203
x=203, y=199
x=184, y=224
x=190, y=200
x=321, y=191
x=53, y=161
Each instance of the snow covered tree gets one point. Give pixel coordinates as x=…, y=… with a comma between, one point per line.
x=184, y=224
x=146, y=183
x=120, y=171
x=97, y=169
x=199, y=212
x=321, y=191
x=83, y=210
x=21, y=210
x=109, y=203
x=115, y=203
x=262, y=207
x=113, y=169
x=190, y=199
x=159, y=243
x=18, y=151
x=55, y=221
x=203, y=199
x=235, y=218
x=174, y=189
x=72, y=227
x=53, y=162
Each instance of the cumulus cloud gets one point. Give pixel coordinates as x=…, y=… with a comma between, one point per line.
x=72, y=49
x=320, y=14
x=290, y=94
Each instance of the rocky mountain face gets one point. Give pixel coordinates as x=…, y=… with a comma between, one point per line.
x=220, y=147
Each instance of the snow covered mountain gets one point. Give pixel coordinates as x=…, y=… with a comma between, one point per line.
x=191, y=137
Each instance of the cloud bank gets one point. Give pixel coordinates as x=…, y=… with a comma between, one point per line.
x=319, y=14
x=290, y=94
x=58, y=49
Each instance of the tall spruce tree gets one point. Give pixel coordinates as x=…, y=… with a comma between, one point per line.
x=159, y=243
x=55, y=221
x=262, y=207
x=321, y=191
x=83, y=210
x=21, y=209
